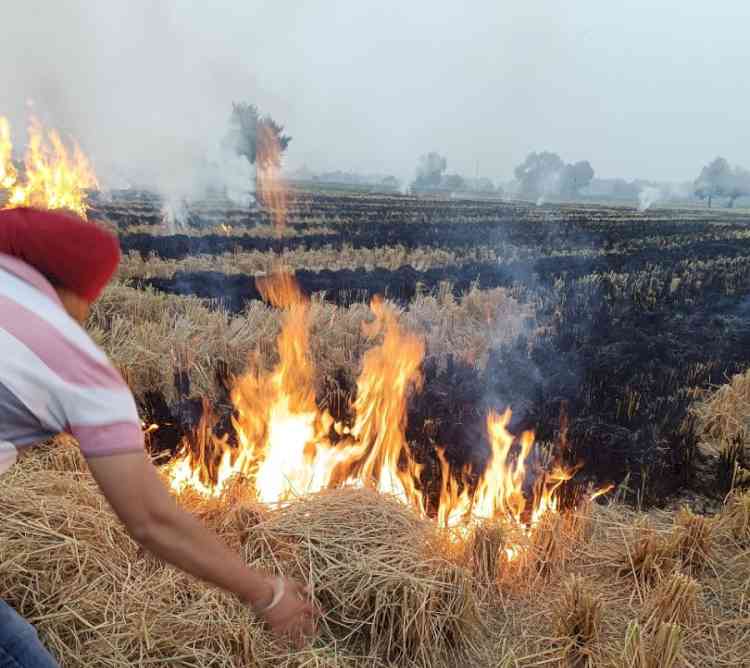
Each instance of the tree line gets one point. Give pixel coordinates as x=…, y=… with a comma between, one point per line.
x=262, y=141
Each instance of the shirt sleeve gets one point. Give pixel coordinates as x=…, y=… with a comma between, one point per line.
x=104, y=421
x=63, y=378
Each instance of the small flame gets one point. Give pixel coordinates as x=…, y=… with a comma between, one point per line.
x=54, y=179
x=286, y=443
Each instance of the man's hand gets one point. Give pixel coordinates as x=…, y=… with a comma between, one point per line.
x=294, y=616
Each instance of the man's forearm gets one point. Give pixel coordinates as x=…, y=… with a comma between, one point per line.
x=141, y=500
x=182, y=541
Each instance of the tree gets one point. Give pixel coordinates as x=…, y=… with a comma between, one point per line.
x=390, y=182
x=575, y=177
x=714, y=180
x=738, y=186
x=546, y=173
x=453, y=182
x=481, y=185
x=258, y=138
x=430, y=170
x=539, y=174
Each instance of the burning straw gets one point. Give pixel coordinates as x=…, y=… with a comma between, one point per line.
x=381, y=573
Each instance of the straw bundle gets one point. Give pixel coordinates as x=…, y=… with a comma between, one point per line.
x=578, y=614
x=660, y=651
x=644, y=553
x=382, y=574
x=736, y=517
x=692, y=540
x=486, y=555
x=674, y=601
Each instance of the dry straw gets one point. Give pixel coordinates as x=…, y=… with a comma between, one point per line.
x=145, y=332
x=391, y=595
x=735, y=518
x=578, y=618
x=692, y=540
x=643, y=552
x=659, y=651
x=394, y=590
x=674, y=600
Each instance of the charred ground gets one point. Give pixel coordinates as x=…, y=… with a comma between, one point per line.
x=635, y=313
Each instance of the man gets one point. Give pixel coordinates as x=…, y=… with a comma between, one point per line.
x=53, y=378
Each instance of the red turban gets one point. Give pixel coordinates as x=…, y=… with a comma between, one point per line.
x=72, y=253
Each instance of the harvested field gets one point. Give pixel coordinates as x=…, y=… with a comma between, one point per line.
x=610, y=333
x=622, y=317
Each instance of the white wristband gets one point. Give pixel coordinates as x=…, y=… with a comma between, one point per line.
x=279, y=589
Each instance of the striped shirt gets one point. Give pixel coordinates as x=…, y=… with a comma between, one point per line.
x=53, y=378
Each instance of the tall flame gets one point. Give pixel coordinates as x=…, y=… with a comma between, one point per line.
x=7, y=170
x=287, y=446
x=55, y=177
x=269, y=187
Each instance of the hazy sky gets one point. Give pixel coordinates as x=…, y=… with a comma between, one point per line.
x=641, y=88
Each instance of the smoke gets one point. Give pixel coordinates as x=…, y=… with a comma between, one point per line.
x=648, y=196
x=651, y=194
x=140, y=91
x=550, y=186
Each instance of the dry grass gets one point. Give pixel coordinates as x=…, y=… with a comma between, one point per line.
x=146, y=334
x=396, y=591
x=736, y=518
x=392, y=597
x=228, y=229
x=644, y=553
x=662, y=650
x=692, y=540
x=724, y=426
x=253, y=263
x=579, y=613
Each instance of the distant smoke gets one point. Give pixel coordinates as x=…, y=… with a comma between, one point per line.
x=649, y=196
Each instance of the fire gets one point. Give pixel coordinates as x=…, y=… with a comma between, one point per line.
x=7, y=170
x=269, y=187
x=54, y=176
x=288, y=447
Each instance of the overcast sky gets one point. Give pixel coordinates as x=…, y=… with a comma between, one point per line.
x=641, y=88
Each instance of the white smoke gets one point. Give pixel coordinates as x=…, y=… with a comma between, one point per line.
x=550, y=187
x=127, y=82
x=221, y=172
x=648, y=196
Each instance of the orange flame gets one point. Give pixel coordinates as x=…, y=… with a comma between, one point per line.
x=7, y=170
x=54, y=179
x=286, y=446
x=269, y=186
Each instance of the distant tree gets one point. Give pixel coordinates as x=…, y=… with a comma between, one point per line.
x=430, y=170
x=714, y=180
x=575, y=177
x=258, y=138
x=453, y=182
x=482, y=185
x=390, y=182
x=539, y=173
x=623, y=188
x=738, y=186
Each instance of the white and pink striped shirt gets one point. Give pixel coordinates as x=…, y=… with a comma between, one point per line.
x=53, y=378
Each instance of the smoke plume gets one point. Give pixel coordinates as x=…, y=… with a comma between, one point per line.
x=133, y=83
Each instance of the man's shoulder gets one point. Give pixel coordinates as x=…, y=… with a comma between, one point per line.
x=38, y=328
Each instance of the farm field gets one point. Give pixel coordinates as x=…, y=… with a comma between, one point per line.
x=619, y=338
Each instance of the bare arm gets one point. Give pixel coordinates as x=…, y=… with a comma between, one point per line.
x=139, y=498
